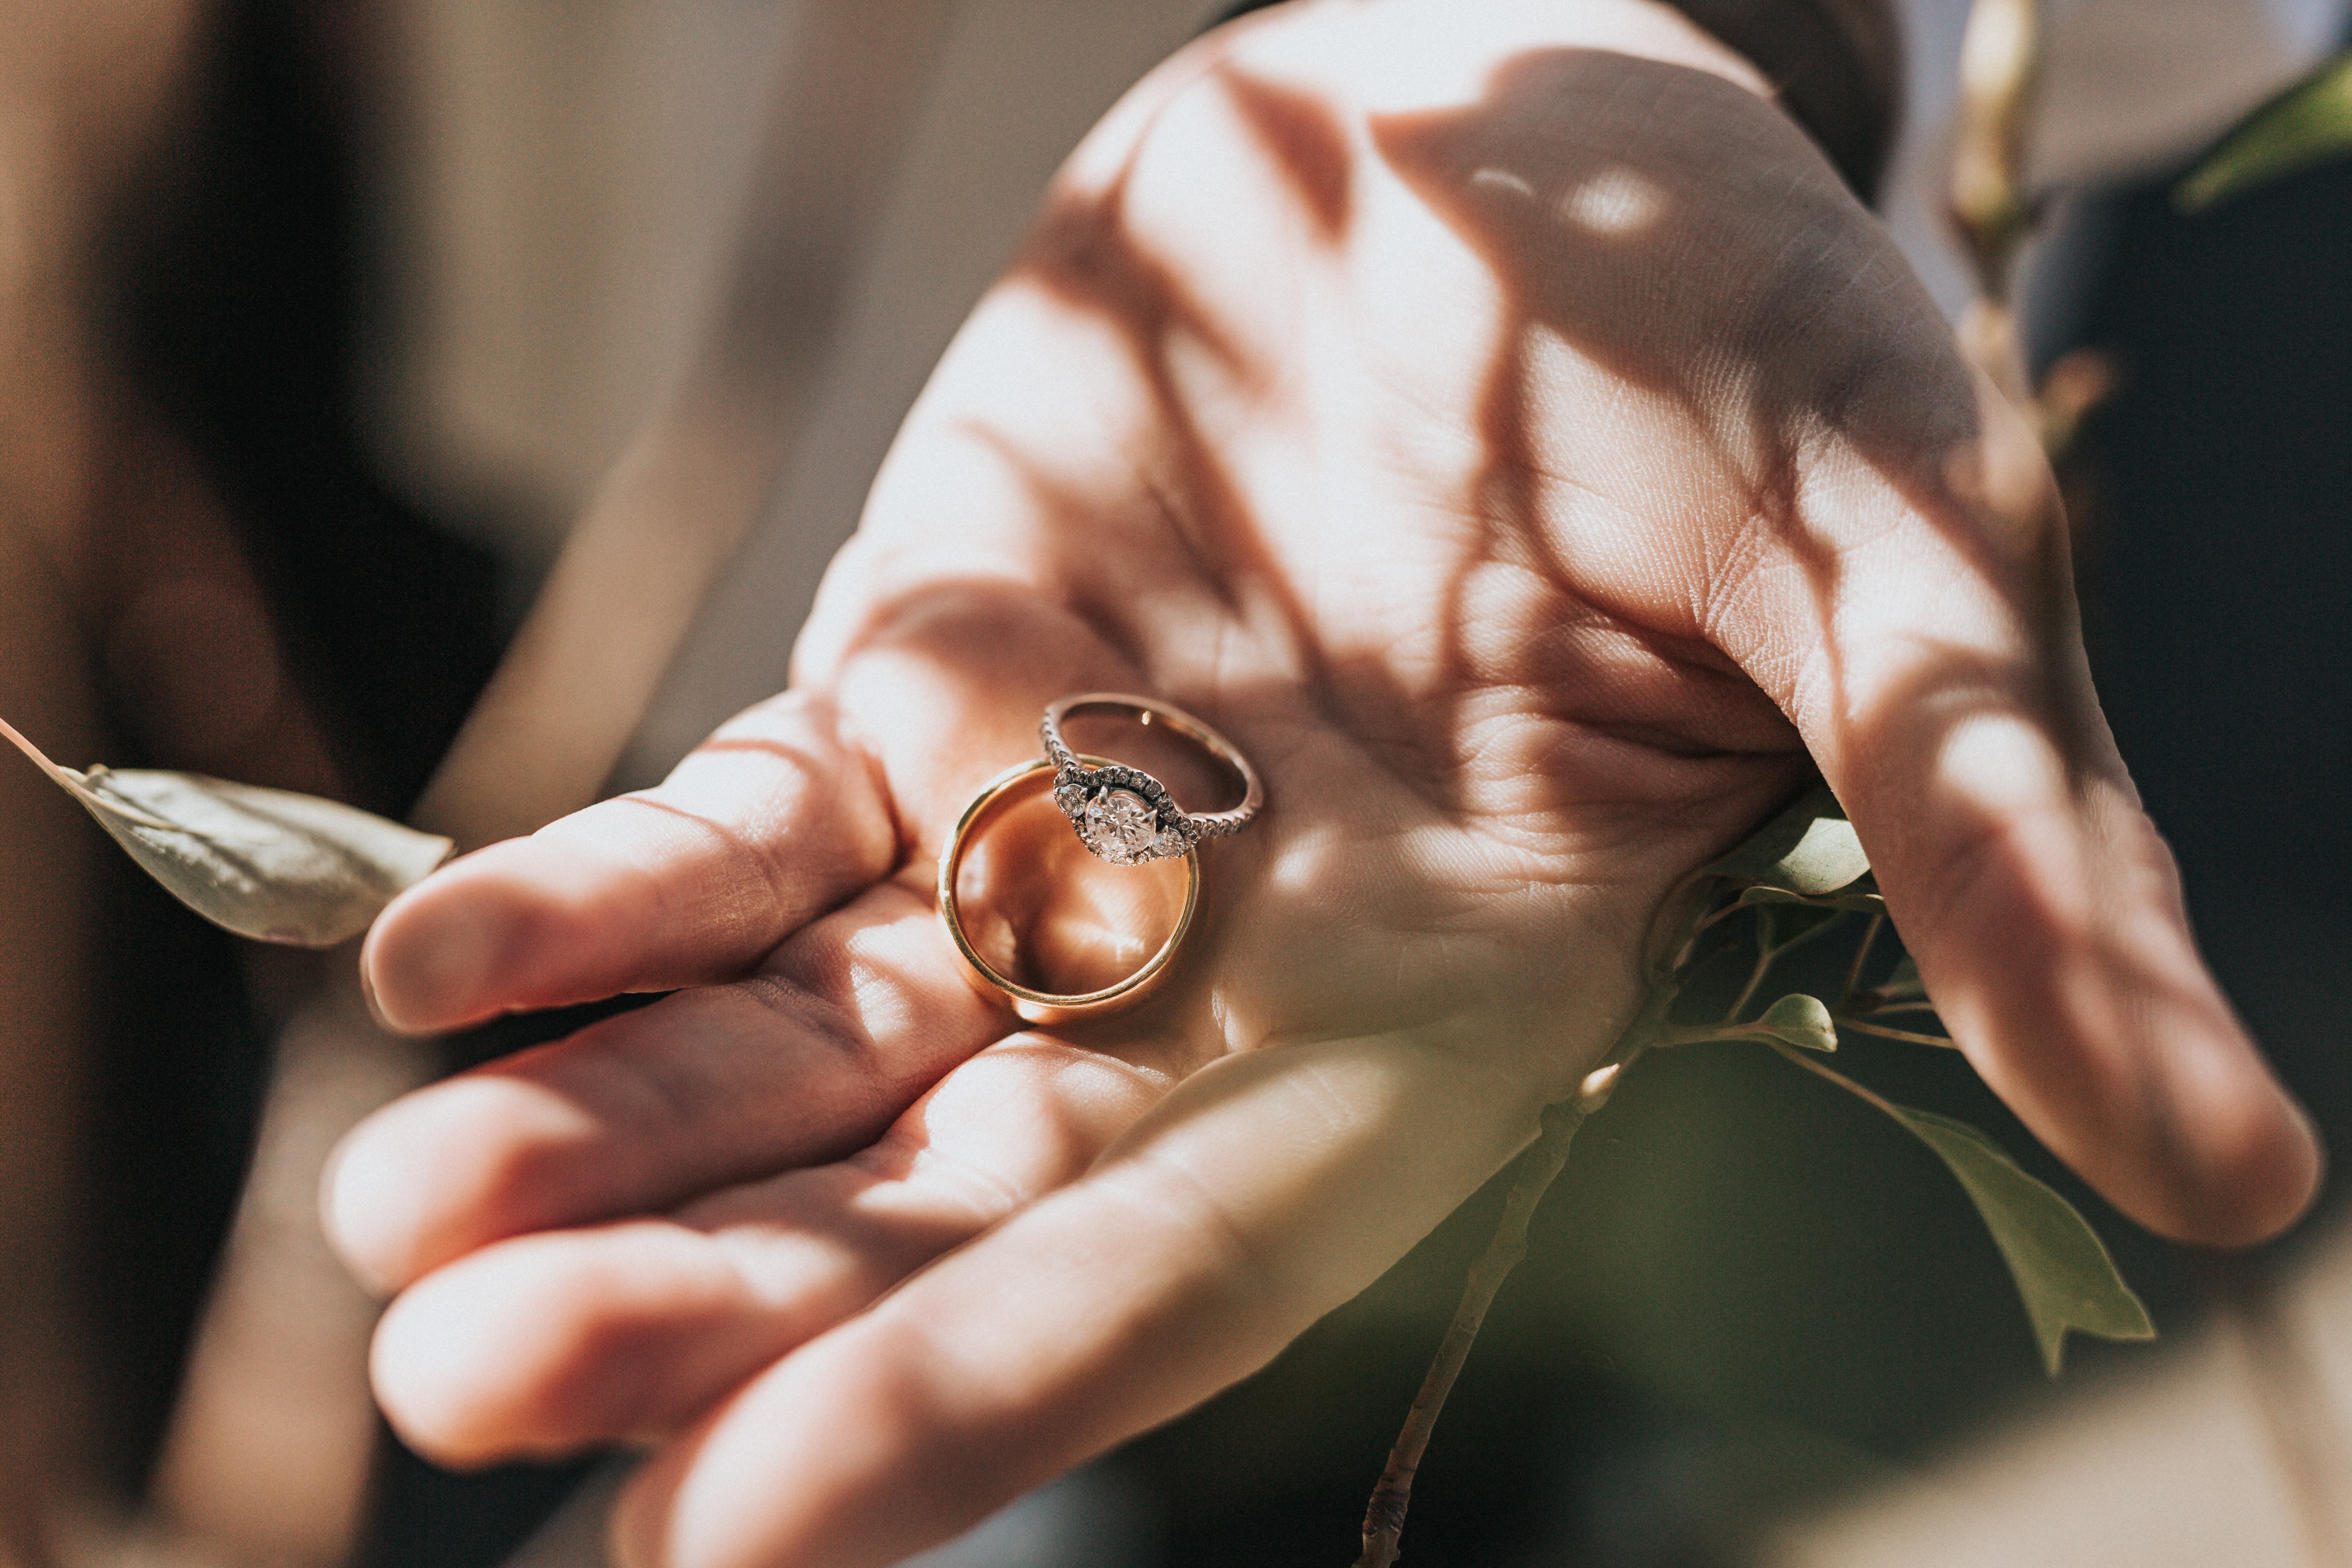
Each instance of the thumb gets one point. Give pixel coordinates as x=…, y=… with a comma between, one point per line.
x=1932, y=657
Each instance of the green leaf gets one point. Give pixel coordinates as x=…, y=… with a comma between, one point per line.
x=1800, y=1020
x=265, y=863
x=1904, y=984
x=1810, y=849
x=1901, y=992
x=2062, y=1268
x=2309, y=123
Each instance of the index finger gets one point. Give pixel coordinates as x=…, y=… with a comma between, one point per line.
x=773, y=820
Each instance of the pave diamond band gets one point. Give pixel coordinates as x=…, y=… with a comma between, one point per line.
x=1123, y=813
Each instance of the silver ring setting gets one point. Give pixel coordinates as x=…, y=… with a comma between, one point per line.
x=1122, y=814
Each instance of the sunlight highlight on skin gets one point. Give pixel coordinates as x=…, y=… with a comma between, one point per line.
x=1503, y=179
x=1615, y=202
x=1999, y=764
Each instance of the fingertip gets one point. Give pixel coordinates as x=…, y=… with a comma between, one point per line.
x=364, y=1202
x=449, y=1168
x=423, y=1378
x=499, y=1355
x=2255, y=1171
x=2281, y=1175
x=428, y=962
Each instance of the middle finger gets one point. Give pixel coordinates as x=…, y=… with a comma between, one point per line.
x=553, y=1342
x=804, y=1061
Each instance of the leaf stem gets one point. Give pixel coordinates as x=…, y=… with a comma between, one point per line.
x=1883, y=1032
x=77, y=786
x=1385, y=1515
x=1838, y=1078
x=1764, y=957
x=1861, y=952
x=1721, y=915
x=41, y=758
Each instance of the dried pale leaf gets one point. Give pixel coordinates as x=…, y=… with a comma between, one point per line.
x=1809, y=849
x=2061, y=1267
x=266, y=864
x=1800, y=1020
x=2308, y=123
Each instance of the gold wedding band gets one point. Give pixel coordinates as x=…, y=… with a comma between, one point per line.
x=1047, y=1007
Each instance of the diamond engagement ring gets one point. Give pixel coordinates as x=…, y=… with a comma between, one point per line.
x=1123, y=813
x=1005, y=792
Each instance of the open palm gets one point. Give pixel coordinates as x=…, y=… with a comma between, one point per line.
x=1506, y=429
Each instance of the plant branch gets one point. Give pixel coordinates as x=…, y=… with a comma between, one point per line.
x=1384, y=1516
x=1662, y=959
x=2000, y=62
x=2307, y=1439
x=1819, y=928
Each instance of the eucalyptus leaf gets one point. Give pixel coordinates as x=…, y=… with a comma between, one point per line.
x=1800, y=1020
x=1809, y=850
x=2308, y=123
x=2061, y=1267
x=265, y=863
x=1901, y=992
x=1903, y=985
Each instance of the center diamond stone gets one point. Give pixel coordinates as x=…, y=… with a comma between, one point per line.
x=1120, y=825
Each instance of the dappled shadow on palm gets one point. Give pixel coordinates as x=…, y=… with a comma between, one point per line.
x=1571, y=178
x=1769, y=327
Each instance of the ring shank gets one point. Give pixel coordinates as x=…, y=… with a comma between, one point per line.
x=1046, y=1006
x=1148, y=710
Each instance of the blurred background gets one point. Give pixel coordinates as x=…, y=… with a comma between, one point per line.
x=323, y=325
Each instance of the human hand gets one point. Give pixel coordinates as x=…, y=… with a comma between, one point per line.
x=1503, y=426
